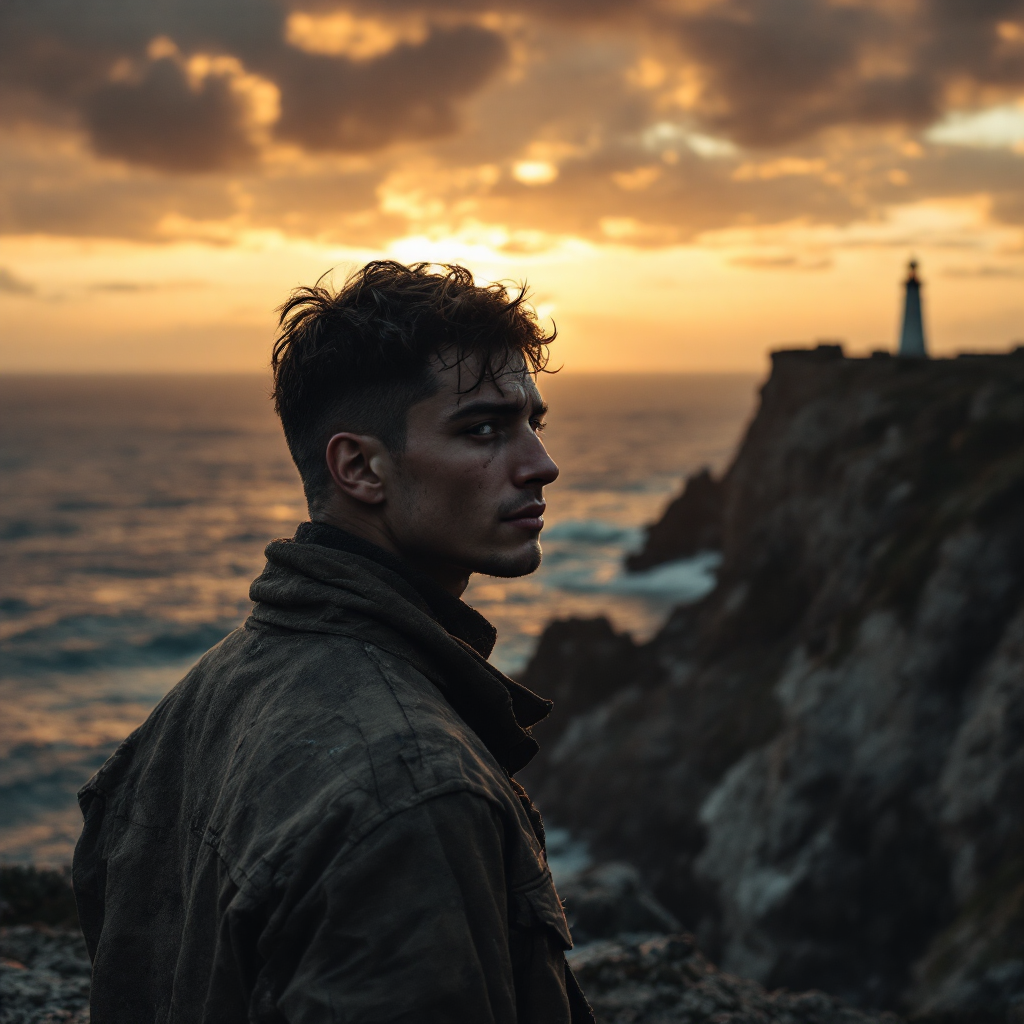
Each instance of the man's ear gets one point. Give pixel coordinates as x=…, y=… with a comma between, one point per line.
x=358, y=464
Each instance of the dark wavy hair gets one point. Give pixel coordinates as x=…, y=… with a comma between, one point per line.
x=357, y=358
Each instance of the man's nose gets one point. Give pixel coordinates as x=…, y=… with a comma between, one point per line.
x=535, y=466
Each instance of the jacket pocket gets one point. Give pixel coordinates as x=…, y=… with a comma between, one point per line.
x=540, y=907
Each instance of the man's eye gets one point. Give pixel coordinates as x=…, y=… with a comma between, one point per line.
x=482, y=429
x=538, y=425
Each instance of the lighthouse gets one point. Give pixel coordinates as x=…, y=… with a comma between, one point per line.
x=912, y=335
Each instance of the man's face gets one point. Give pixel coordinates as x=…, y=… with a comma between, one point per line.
x=466, y=494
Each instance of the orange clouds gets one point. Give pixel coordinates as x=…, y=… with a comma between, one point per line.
x=587, y=118
x=439, y=127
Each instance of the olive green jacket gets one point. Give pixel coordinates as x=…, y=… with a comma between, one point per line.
x=319, y=824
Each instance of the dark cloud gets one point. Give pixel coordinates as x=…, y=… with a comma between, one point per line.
x=809, y=81
x=775, y=71
x=165, y=121
x=779, y=71
x=48, y=62
x=61, y=191
x=152, y=113
x=783, y=70
x=409, y=93
x=965, y=37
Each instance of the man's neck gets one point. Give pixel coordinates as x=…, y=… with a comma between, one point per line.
x=454, y=579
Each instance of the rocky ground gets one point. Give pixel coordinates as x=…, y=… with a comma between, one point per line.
x=44, y=966
x=637, y=966
x=44, y=975
x=667, y=980
x=820, y=767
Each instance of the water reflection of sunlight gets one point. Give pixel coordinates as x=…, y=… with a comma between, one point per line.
x=58, y=728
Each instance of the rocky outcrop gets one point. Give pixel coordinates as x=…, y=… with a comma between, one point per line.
x=637, y=967
x=606, y=901
x=667, y=980
x=691, y=524
x=820, y=767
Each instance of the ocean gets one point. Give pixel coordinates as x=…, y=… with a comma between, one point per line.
x=134, y=512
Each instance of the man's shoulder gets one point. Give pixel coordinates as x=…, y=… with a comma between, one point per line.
x=276, y=743
x=332, y=718
x=324, y=733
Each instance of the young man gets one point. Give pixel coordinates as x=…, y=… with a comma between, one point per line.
x=319, y=822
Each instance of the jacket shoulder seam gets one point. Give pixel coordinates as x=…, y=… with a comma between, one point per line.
x=263, y=874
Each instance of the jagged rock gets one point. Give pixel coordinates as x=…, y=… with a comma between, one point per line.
x=666, y=980
x=820, y=767
x=692, y=523
x=44, y=976
x=608, y=900
x=578, y=663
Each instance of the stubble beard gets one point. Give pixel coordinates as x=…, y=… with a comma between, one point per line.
x=512, y=564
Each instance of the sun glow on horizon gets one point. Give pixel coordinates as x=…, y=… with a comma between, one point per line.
x=720, y=303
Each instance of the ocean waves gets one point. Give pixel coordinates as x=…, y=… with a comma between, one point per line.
x=78, y=643
x=134, y=513
x=57, y=730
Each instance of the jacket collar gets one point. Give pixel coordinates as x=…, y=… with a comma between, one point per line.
x=456, y=616
x=316, y=588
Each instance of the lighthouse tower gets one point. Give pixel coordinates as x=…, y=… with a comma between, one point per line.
x=912, y=335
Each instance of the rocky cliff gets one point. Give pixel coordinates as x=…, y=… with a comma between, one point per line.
x=820, y=767
x=692, y=523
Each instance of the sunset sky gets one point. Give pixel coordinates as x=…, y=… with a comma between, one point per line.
x=685, y=184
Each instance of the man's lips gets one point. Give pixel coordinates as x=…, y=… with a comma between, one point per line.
x=529, y=517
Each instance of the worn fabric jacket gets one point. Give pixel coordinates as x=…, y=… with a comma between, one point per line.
x=319, y=822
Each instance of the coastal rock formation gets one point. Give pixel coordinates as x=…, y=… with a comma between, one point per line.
x=667, y=980
x=609, y=900
x=692, y=523
x=820, y=767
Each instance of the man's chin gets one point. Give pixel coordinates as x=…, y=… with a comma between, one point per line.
x=508, y=564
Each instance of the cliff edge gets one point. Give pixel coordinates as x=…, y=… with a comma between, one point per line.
x=691, y=524
x=820, y=767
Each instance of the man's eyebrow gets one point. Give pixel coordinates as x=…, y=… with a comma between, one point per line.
x=509, y=408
